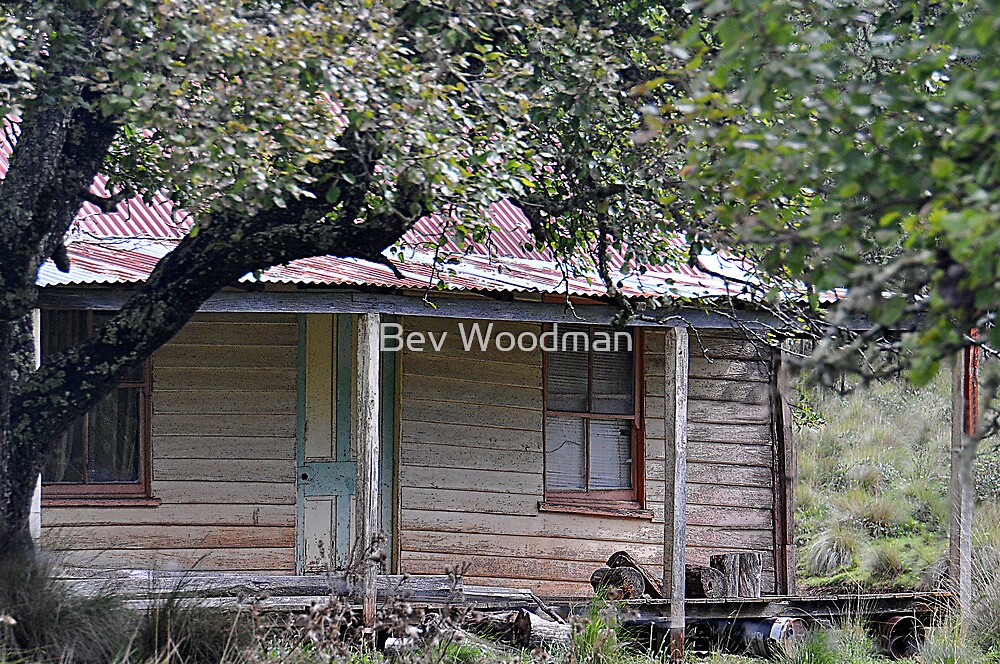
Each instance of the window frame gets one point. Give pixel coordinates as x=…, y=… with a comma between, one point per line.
x=621, y=500
x=77, y=493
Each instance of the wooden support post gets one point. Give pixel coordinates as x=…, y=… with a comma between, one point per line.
x=675, y=498
x=784, y=474
x=964, y=404
x=367, y=419
x=35, y=515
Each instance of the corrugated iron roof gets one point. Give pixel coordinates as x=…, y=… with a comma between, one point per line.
x=124, y=246
x=124, y=261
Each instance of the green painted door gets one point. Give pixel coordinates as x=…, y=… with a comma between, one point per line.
x=325, y=457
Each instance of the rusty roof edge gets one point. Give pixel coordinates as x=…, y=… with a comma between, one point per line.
x=130, y=260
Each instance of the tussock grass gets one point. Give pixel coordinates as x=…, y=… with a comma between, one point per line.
x=871, y=503
x=872, y=510
x=884, y=561
x=184, y=631
x=50, y=625
x=835, y=549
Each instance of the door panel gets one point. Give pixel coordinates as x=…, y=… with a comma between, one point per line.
x=326, y=466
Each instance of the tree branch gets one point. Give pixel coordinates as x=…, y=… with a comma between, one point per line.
x=109, y=203
x=71, y=383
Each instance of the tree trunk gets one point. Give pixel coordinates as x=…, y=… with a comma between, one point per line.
x=618, y=582
x=522, y=628
x=624, y=559
x=17, y=473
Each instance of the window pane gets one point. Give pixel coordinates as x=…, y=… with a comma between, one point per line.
x=114, y=438
x=565, y=454
x=614, y=385
x=567, y=372
x=66, y=462
x=610, y=454
x=62, y=329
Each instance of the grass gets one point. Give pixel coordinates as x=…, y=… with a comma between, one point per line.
x=872, y=511
x=43, y=623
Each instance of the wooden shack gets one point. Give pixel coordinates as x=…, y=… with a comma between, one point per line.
x=522, y=467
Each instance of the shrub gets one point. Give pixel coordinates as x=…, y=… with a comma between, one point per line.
x=884, y=562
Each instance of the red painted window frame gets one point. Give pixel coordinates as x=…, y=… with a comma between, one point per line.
x=623, y=499
x=80, y=493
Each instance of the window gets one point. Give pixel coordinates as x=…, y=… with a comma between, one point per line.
x=593, y=451
x=104, y=454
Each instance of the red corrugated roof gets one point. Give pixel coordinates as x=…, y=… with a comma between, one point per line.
x=124, y=246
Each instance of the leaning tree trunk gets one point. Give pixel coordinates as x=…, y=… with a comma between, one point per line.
x=17, y=473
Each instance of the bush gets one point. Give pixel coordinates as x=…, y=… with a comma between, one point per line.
x=834, y=549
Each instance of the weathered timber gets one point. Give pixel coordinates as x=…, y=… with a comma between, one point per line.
x=750, y=569
x=619, y=582
x=785, y=474
x=677, y=372
x=522, y=628
x=367, y=418
x=962, y=482
x=146, y=584
x=729, y=565
x=254, y=560
x=475, y=308
x=704, y=582
x=652, y=587
x=497, y=597
x=742, y=572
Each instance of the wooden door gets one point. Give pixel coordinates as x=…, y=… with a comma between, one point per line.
x=325, y=459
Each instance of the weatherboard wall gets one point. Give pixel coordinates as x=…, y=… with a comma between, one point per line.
x=470, y=471
x=223, y=455
x=471, y=465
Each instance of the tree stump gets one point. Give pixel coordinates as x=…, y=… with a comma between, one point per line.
x=742, y=573
x=618, y=582
x=704, y=582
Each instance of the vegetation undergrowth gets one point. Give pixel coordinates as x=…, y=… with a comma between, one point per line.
x=41, y=622
x=871, y=502
x=872, y=510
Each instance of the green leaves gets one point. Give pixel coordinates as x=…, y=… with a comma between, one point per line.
x=872, y=165
x=942, y=167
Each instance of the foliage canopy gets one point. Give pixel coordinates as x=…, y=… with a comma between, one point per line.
x=853, y=146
